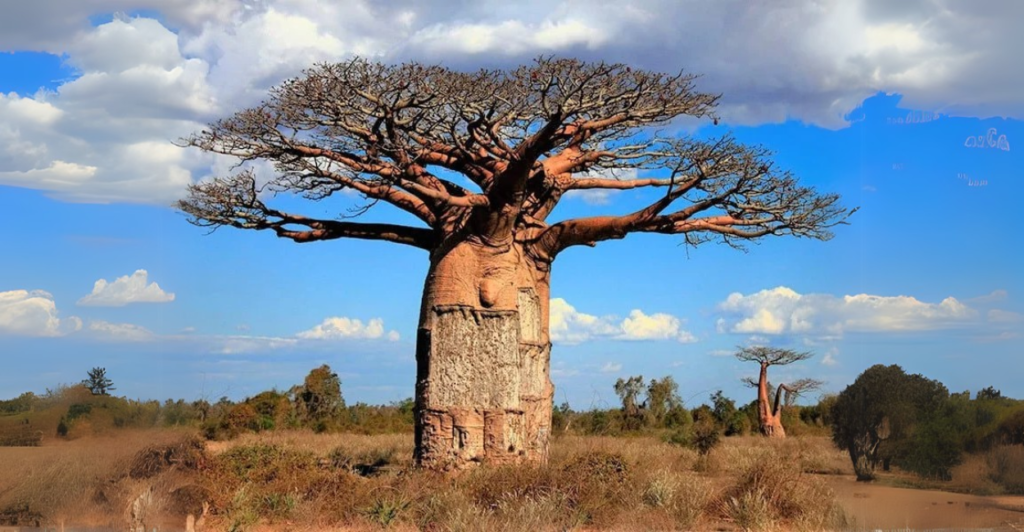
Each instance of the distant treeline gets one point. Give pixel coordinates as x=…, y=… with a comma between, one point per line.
x=885, y=418
x=317, y=404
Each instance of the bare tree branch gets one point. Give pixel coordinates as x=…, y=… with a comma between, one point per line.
x=523, y=137
x=235, y=202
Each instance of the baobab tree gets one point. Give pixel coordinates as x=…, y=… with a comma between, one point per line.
x=480, y=160
x=769, y=414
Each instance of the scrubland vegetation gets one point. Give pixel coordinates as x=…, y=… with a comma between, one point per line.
x=304, y=460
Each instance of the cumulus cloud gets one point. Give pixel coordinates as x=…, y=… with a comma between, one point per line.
x=33, y=313
x=134, y=288
x=120, y=332
x=782, y=310
x=569, y=326
x=105, y=135
x=339, y=327
x=611, y=367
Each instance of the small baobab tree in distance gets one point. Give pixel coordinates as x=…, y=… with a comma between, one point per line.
x=769, y=413
x=479, y=161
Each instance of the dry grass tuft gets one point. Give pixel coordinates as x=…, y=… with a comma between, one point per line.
x=775, y=493
x=1006, y=468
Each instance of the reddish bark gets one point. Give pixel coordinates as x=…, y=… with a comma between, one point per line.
x=769, y=416
x=769, y=413
x=522, y=138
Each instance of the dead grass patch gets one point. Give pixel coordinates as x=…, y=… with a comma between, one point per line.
x=774, y=493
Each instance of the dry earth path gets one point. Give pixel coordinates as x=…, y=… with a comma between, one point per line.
x=877, y=507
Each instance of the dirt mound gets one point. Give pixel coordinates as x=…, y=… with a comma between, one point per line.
x=188, y=453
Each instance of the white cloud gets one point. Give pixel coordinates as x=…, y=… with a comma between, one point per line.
x=233, y=345
x=508, y=37
x=992, y=297
x=1004, y=316
x=569, y=326
x=125, y=290
x=640, y=326
x=830, y=357
x=339, y=327
x=122, y=332
x=562, y=372
x=611, y=367
x=105, y=135
x=594, y=196
x=999, y=337
x=782, y=310
x=33, y=313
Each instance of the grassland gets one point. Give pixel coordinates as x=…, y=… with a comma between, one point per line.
x=298, y=480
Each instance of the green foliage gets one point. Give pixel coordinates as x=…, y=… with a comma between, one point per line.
x=629, y=392
x=819, y=415
x=1011, y=429
x=873, y=418
x=989, y=394
x=98, y=383
x=561, y=418
x=706, y=435
x=319, y=399
x=662, y=398
x=732, y=421
x=23, y=403
x=386, y=509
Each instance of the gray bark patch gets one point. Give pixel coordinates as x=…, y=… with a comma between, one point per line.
x=474, y=359
x=529, y=315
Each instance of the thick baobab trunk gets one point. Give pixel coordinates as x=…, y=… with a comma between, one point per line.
x=483, y=390
x=769, y=416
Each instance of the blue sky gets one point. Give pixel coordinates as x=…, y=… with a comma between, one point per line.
x=887, y=111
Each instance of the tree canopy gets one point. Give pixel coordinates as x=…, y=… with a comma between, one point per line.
x=873, y=416
x=520, y=138
x=98, y=383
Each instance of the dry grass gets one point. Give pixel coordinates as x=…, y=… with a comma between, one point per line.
x=814, y=454
x=299, y=480
x=773, y=493
x=998, y=471
x=65, y=482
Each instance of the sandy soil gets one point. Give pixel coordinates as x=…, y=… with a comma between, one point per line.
x=877, y=507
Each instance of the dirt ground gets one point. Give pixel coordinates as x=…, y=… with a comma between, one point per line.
x=877, y=507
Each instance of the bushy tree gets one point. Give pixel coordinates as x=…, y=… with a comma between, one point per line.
x=733, y=421
x=873, y=417
x=662, y=399
x=319, y=399
x=629, y=391
x=989, y=394
x=98, y=383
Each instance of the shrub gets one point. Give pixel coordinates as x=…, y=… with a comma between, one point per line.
x=1006, y=468
x=706, y=435
x=188, y=453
